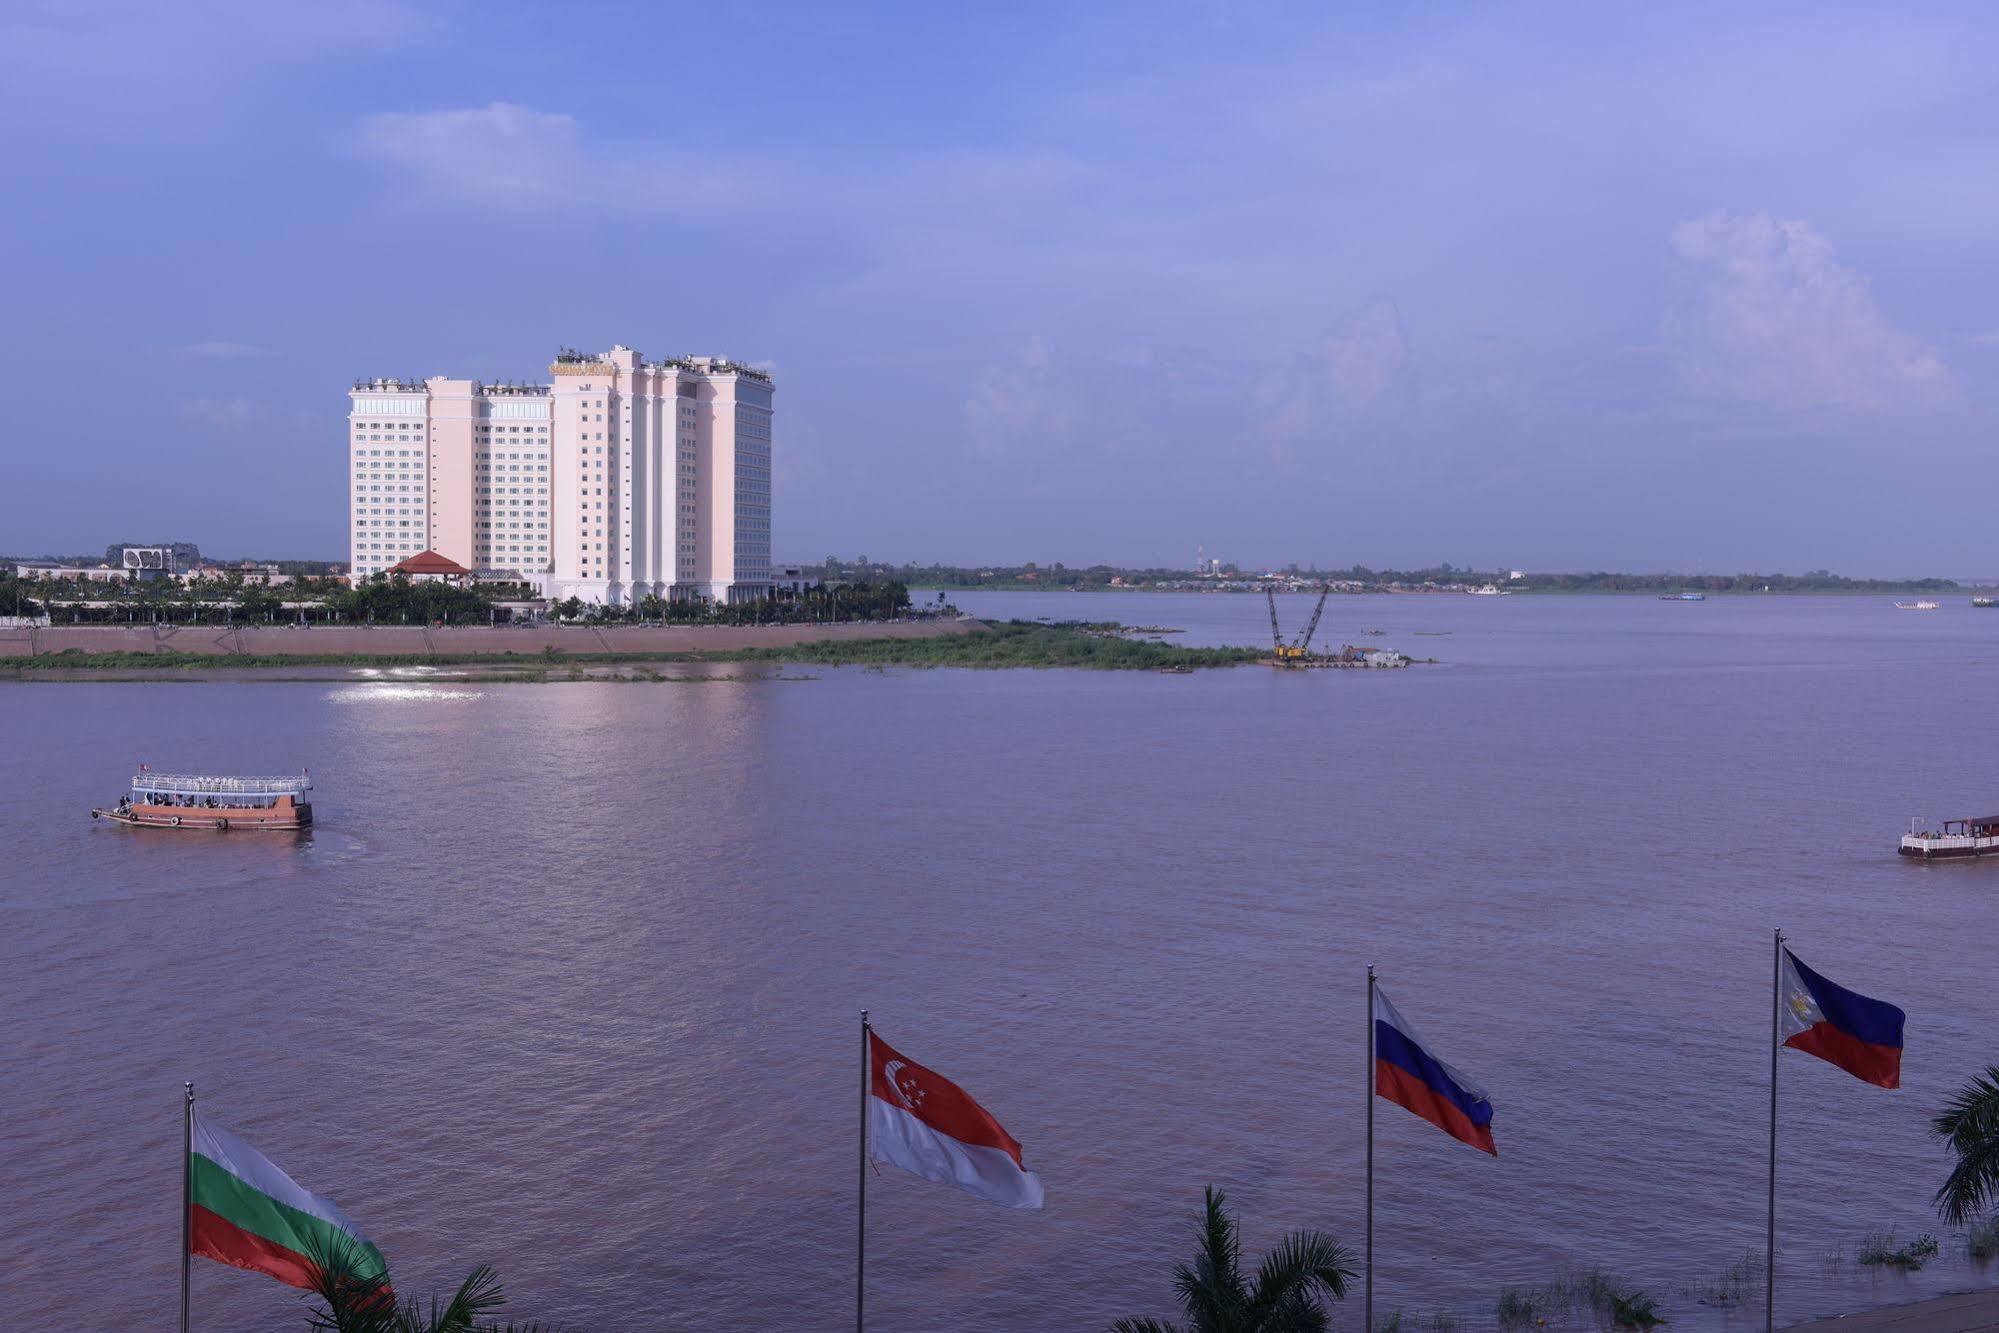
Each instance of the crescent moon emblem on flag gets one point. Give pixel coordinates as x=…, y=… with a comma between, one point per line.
x=888, y=1077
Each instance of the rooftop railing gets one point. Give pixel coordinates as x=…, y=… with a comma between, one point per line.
x=184, y=783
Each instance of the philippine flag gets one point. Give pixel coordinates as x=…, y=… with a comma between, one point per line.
x=1407, y=1074
x=1861, y=1036
x=926, y=1124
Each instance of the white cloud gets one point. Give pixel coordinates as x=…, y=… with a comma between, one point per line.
x=1018, y=397
x=219, y=413
x=1766, y=314
x=1357, y=366
x=516, y=157
x=218, y=351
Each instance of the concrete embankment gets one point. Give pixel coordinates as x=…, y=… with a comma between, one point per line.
x=1965, y=1312
x=457, y=642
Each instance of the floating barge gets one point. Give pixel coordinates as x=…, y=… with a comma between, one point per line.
x=1958, y=837
x=214, y=804
x=1349, y=657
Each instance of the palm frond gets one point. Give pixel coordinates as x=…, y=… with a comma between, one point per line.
x=1211, y=1291
x=351, y=1286
x=1142, y=1326
x=1297, y=1313
x=480, y=1293
x=1303, y=1264
x=1970, y=1125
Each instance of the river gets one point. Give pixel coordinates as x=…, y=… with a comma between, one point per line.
x=567, y=977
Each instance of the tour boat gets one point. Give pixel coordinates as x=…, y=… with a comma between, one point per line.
x=1958, y=837
x=1985, y=601
x=188, y=801
x=1917, y=606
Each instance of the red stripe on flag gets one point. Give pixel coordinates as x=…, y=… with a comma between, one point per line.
x=934, y=1100
x=213, y=1236
x=1879, y=1065
x=1403, y=1088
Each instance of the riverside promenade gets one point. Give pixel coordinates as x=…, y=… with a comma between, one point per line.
x=1964, y=1312
x=457, y=641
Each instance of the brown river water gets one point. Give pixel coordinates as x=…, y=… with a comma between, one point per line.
x=567, y=977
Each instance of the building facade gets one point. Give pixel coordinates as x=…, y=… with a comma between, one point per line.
x=618, y=480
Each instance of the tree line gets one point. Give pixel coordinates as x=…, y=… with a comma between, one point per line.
x=397, y=599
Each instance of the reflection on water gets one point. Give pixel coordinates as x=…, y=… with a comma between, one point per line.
x=568, y=980
x=363, y=694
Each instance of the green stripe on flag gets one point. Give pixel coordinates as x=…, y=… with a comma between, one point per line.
x=259, y=1214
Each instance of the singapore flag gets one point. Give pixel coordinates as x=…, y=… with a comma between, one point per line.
x=924, y=1123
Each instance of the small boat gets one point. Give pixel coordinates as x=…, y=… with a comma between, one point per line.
x=1985, y=601
x=1374, y=631
x=1489, y=590
x=219, y=804
x=1683, y=597
x=1957, y=837
x=1917, y=606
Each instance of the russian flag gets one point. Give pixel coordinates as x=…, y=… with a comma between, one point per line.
x=1861, y=1036
x=1407, y=1074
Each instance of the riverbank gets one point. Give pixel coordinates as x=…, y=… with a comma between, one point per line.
x=1962, y=1312
x=537, y=652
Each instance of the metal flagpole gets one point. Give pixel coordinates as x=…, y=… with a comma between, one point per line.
x=861, y=1236
x=1770, y=1228
x=1368, y=1310
x=186, y=1198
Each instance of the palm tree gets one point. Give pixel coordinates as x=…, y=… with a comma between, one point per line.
x=1283, y=1298
x=1970, y=1125
x=355, y=1297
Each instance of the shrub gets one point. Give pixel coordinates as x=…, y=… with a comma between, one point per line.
x=1879, y=1249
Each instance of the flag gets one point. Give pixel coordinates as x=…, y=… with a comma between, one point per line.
x=1407, y=1074
x=1861, y=1036
x=244, y=1211
x=927, y=1125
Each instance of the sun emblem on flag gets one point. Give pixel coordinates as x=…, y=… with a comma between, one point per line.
x=1801, y=1005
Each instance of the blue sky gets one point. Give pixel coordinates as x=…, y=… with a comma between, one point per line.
x=1544, y=286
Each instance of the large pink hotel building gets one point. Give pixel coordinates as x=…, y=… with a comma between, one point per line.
x=622, y=478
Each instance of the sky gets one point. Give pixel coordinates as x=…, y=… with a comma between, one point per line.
x=1536, y=286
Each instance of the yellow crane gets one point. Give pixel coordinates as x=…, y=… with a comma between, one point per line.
x=1299, y=649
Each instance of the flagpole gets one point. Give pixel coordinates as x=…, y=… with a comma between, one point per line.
x=1368, y=1083
x=186, y=1198
x=1770, y=1227
x=861, y=1235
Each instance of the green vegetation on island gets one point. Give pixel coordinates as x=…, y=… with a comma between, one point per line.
x=984, y=646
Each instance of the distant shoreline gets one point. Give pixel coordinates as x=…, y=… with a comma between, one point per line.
x=1912, y=590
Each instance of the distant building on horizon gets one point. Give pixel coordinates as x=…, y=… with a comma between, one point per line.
x=620, y=480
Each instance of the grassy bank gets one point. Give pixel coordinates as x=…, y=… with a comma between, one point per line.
x=1003, y=644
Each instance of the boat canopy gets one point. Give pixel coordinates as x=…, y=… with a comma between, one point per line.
x=189, y=784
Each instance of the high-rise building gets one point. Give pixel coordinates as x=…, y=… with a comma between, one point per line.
x=622, y=479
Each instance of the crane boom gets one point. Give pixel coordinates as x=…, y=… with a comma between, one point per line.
x=1276, y=634
x=1304, y=644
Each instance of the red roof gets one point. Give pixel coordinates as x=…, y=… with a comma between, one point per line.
x=429, y=562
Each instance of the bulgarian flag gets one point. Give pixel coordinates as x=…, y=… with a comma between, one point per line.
x=929, y=1126
x=243, y=1210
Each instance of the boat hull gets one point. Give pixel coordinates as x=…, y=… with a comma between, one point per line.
x=197, y=820
x=1948, y=849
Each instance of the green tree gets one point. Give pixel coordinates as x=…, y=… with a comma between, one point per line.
x=355, y=1295
x=1284, y=1296
x=1969, y=1125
